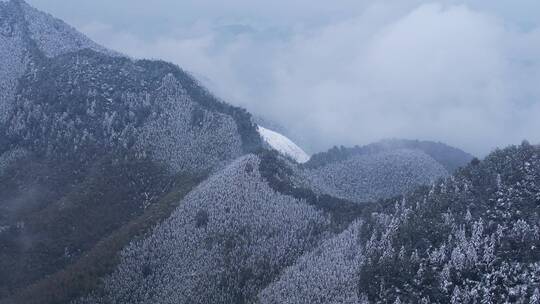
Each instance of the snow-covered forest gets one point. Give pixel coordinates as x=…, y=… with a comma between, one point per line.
x=127, y=181
x=467, y=238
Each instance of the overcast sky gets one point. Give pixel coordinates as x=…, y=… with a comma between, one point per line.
x=346, y=72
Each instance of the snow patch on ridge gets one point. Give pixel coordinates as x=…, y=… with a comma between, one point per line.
x=283, y=145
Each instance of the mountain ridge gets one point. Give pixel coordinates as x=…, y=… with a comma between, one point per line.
x=28, y=35
x=375, y=175
x=451, y=158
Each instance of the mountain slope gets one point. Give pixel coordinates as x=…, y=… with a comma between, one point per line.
x=375, y=175
x=449, y=157
x=325, y=275
x=473, y=238
x=54, y=37
x=92, y=147
x=85, y=97
x=26, y=35
x=229, y=238
x=482, y=239
x=381, y=170
x=83, y=101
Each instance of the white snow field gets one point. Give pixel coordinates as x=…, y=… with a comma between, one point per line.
x=283, y=145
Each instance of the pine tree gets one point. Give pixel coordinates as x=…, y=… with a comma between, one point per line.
x=535, y=298
x=363, y=299
x=456, y=296
x=468, y=216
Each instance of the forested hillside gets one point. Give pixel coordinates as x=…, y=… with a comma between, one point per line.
x=381, y=170
x=95, y=148
x=126, y=181
x=229, y=238
x=470, y=237
x=449, y=157
x=368, y=177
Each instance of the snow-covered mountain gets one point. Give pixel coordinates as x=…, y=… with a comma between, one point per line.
x=56, y=83
x=26, y=36
x=93, y=141
x=283, y=145
x=126, y=181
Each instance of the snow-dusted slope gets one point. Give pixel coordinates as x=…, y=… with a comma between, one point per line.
x=91, y=120
x=25, y=35
x=283, y=145
x=229, y=238
x=103, y=97
x=53, y=36
x=378, y=175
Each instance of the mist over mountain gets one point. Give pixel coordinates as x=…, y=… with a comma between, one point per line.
x=126, y=180
x=458, y=71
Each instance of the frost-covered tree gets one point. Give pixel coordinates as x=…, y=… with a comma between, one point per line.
x=468, y=245
x=535, y=298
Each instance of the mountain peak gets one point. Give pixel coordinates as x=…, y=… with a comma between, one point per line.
x=53, y=36
x=27, y=37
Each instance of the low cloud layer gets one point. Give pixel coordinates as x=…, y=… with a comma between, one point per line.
x=352, y=72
